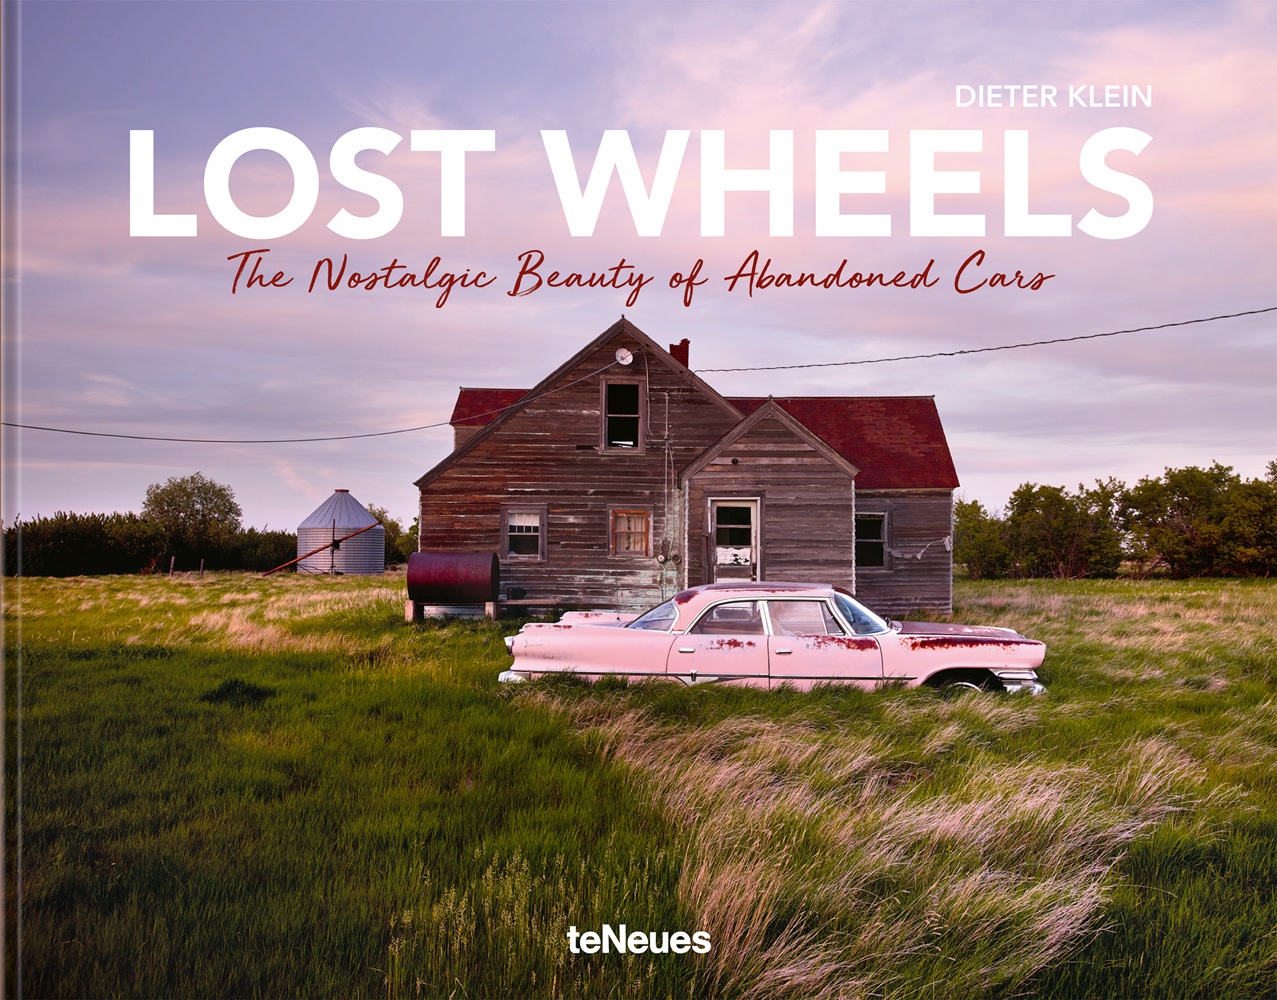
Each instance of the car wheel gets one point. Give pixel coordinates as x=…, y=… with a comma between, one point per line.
x=961, y=683
x=952, y=689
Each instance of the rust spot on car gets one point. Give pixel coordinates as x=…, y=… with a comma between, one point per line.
x=731, y=643
x=837, y=641
x=959, y=641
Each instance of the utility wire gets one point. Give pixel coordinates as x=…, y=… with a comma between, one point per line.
x=1001, y=347
x=338, y=437
x=761, y=368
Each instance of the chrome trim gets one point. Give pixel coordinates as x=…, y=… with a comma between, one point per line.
x=1018, y=679
x=826, y=677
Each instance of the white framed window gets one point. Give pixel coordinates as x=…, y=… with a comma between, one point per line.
x=523, y=533
x=622, y=404
x=871, y=542
x=630, y=531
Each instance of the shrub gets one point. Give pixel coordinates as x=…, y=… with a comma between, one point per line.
x=96, y=544
x=200, y=516
x=1203, y=522
x=68, y=544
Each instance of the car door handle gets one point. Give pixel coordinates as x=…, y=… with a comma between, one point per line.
x=780, y=651
x=686, y=649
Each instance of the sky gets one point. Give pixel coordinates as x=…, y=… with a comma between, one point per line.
x=141, y=335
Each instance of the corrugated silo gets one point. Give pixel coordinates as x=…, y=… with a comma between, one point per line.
x=339, y=515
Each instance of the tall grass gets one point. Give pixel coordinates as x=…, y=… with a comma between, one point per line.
x=236, y=786
x=892, y=844
x=312, y=819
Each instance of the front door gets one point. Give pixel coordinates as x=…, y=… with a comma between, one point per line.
x=734, y=540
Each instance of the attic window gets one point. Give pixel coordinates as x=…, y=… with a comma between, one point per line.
x=622, y=416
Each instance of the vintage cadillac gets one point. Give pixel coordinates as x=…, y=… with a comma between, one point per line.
x=771, y=634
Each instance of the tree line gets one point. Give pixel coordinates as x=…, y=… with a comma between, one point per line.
x=188, y=522
x=1186, y=522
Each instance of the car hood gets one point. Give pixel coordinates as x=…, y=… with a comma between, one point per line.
x=937, y=628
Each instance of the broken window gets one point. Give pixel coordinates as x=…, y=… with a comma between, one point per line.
x=622, y=417
x=524, y=534
x=871, y=541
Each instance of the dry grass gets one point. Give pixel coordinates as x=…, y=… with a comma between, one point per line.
x=826, y=864
x=233, y=611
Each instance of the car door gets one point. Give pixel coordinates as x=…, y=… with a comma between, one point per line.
x=808, y=645
x=727, y=643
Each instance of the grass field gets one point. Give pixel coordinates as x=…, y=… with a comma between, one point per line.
x=232, y=786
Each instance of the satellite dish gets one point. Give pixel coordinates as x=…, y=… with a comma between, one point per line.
x=623, y=357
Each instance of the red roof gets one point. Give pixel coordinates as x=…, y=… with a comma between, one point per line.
x=479, y=407
x=897, y=442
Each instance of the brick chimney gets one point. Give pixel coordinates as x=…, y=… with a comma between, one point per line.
x=679, y=352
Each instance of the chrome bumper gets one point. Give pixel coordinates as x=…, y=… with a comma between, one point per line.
x=1022, y=679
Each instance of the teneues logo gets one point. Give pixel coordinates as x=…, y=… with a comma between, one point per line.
x=637, y=942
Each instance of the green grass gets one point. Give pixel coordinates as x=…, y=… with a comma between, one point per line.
x=202, y=821
x=236, y=786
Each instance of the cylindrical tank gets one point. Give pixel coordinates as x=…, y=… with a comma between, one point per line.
x=336, y=517
x=453, y=577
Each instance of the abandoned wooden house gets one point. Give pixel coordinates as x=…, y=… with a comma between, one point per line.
x=622, y=477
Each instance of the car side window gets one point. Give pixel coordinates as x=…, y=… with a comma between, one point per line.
x=733, y=618
x=802, y=618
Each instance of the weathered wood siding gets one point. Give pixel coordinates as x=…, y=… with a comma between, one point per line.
x=534, y=458
x=916, y=519
x=805, y=506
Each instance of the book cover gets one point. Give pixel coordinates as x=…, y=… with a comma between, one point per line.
x=271, y=242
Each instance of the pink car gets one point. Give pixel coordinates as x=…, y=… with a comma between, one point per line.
x=768, y=634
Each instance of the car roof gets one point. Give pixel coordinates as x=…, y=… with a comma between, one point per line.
x=752, y=588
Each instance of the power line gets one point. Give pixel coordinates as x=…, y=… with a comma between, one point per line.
x=1001, y=347
x=761, y=368
x=337, y=437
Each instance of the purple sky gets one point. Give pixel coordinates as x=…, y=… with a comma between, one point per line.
x=142, y=336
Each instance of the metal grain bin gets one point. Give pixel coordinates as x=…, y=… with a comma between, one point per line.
x=339, y=515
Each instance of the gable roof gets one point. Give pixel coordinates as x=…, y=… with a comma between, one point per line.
x=621, y=328
x=897, y=442
x=761, y=413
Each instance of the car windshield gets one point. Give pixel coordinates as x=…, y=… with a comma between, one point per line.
x=862, y=620
x=659, y=619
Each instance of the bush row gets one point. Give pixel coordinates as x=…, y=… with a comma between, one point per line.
x=1186, y=522
x=90, y=544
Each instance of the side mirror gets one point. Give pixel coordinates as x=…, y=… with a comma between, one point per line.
x=895, y=626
